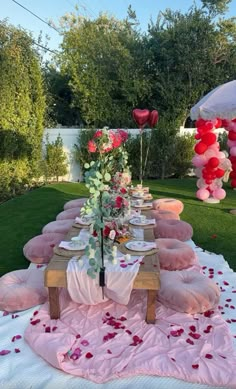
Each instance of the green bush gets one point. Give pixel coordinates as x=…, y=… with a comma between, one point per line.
x=55, y=160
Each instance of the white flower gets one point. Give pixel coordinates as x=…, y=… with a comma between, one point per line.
x=112, y=235
x=91, y=252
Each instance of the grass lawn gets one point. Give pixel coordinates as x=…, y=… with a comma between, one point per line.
x=24, y=217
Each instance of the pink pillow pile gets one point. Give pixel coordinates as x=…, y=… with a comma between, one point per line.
x=174, y=254
x=188, y=291
x=22, y=289
x=160, y=215
x=40, y=248
x=61, y=226
x=174, y=229
x=166, y=204
x=69, y=214
x=75, y=203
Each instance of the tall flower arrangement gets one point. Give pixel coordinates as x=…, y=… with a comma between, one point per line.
x=103, y=202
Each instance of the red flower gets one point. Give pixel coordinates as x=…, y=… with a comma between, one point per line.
x=92, y=146
x=98, y=134
x=106, y=231
x=119, y=202
x=117, y=140
x=123, y=190
x=124, y=135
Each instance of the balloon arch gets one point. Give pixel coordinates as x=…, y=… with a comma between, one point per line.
x=216, y=109
x=212, y=165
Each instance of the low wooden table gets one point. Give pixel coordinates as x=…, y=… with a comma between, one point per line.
x=147, y=278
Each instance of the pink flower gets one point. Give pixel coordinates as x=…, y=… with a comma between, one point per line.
x=124, y=135
x=117, y=141
x=119, y=202
x=92, y=146
x=98, y=134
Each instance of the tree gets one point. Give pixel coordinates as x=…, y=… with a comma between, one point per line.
x=55, y=160
x=102, y=59
x=22, y=106
x=188, y=55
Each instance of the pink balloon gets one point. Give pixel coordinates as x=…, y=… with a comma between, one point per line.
x=231, y=143
x=233, y=151
x=201, y=183
x=215, y=146
x=221, y=155
x=202, y=194
x=198, y=172
x=199, y=160
x=219, y=194
x=216, y=184
x=232, y=127
x=209, y=153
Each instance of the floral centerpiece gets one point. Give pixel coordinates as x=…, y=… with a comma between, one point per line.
x=105, y=203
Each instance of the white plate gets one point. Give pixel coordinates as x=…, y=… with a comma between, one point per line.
x=73, y=247
x=138, y=196
x=139, y=245
x=137, y=222
x=147, y=205
x=79, y=220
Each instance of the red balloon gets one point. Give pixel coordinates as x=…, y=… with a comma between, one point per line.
x=233, y=183
x=200, y=148
x=213, y=162
x=153, y=118
x=218, y=123
x=232, y=159
x=232, y=135
x=225, y=123
x=197, y=136
x=232, y=174
x=209, y=138
x=219, y=173
x=234, y=166
x=141, y=116
x=208, y=126
x=200, y=122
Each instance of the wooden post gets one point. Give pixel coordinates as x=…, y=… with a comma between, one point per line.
x=54, y=305
x=151, y=305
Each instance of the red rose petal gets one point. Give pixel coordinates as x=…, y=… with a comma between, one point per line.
x=208, y=356
x=123, y=265
x=4, y=352
x=196, y=366
x=128, y=332
x=89, y=355
x=190, y=341
x=232, y=306
x=17, y=350
x=48, y=329
x=34, y=322
x=220, y=272
x=109, y=351
x=54, y=328
x=228, y=300
x=194, y=335
x=192, y=328
x=35, y=313
x=225, y=283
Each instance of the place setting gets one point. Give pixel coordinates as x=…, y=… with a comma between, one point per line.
x=142, y=222
x=138, y=247
x=84, y=221
x=75, y=246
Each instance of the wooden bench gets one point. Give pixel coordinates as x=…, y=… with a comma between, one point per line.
x=147, y=278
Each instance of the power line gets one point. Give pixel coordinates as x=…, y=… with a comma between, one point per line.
x=44, y=48
x=38, y=17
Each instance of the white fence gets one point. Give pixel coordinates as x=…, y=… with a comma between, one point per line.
x=69, y=137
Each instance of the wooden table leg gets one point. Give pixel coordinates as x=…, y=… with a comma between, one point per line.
x=54, y=305
x=151, y=306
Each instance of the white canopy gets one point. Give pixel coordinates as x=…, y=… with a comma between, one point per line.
x=219, y=103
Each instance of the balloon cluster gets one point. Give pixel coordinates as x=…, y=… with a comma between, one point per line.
x=230, y=126
x=211, y=163
x=145, y=117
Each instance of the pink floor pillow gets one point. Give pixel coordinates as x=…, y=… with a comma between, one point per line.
x=174, y=254
x=188, y=291
x=173, y=229
x=61, y=226
x=22, y=289
x=166, y=204
x=75, y=203
x=160, y=215
x=69, y=214
x=40, y=248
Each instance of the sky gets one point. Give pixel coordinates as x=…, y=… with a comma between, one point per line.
x=54, y=9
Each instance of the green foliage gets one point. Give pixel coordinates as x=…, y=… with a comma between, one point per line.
x=183, y=154
x=216, y=6
x=222, y=139
x=55, y=160
x=22, y=106
x=103, y=60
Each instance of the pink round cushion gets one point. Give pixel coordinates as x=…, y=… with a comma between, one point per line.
x=61, y=226
x=166, y=204
x=40, y=248
x=174, y=254
x=75, y=203
x=162, y=214
x=173, y=229
x=188, y=291
x=22, y=289
x=69, y=214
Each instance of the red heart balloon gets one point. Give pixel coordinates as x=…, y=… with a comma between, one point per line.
x=153, y=118
x=141, y=116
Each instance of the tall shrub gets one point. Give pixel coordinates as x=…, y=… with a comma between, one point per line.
x=55, y=159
